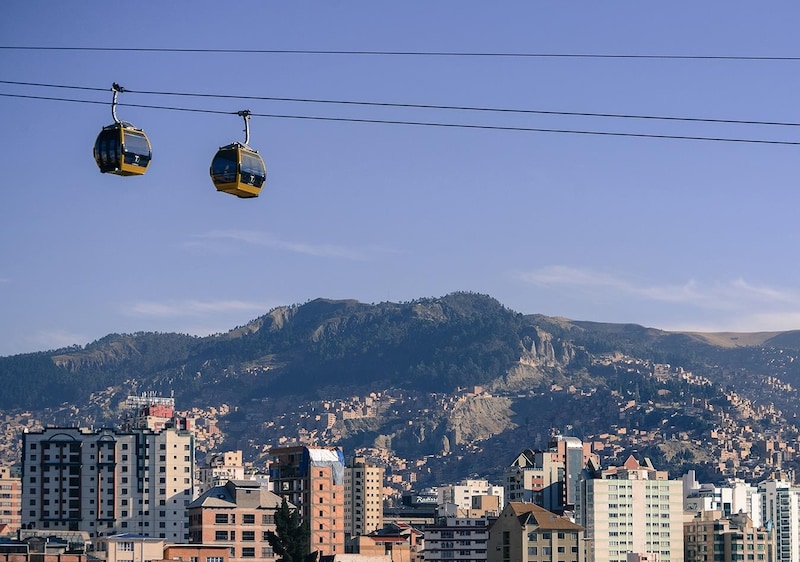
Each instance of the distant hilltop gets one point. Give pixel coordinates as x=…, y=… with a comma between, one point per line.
x=345, y=372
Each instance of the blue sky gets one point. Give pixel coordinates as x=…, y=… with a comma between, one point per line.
x=672, y=234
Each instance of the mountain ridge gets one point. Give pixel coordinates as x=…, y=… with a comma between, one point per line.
x=537, y=373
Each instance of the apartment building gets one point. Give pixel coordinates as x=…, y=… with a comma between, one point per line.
x=631, y=509
x=10, y=501
x=780, y=511
x=363, y=497
x=712, y=535
x=312, y=478
x=239, y=514
x=734, y=496
x=106, y=482
x=526, y=532
x=548, y=478
x=462, y=494
x=218, y=469
x=457, y=539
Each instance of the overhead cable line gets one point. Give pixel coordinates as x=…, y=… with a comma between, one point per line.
x=420, y=106
x=426, y=123
x=401, y=53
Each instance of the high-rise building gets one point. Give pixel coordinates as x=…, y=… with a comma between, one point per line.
x=312, y=478
x=363, y=497
x=535, y=477
x=107, y=481
x=631, y=509
x=548, y=478
x=780, y=513
x=526, y=532
x=10, y=501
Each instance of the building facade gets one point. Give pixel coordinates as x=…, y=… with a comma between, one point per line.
x=10, y=501
x=218, y=469
x=239, y=515
x=631, y=509
x=128, y=547
x=363, y=497
x=312, y=478
x=107, y=482
x=548, y=478
x=735, y=496
x=461, y=539
x=712, y=535
x=462, y=494
x=526, y=532
x=780, y=513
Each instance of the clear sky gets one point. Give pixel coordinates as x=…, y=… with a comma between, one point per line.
x=667, y=233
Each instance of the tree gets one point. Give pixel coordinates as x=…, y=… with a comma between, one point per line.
x=291, y=539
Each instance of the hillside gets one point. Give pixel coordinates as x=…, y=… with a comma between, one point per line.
x=534, y=373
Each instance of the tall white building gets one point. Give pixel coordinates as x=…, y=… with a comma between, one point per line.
x=780, y=512
x=629, y=510
x=734, y=497
x=107, y=481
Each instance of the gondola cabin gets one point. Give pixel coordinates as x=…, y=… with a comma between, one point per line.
x=239, y=170
x=122, y=149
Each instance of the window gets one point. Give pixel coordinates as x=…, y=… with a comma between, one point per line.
x=249, y=519
x=220, y=518
x=220, y=535
x=248, y=535
x=248, y=552
x=125, y=546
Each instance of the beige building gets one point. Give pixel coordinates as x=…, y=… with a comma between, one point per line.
x=710, y=536
x=526, y=532
x=462, y=494
x=631, y=509
x=218, y=469
x=106, y=482
x=312, y=478
x=363, y=497
x=397, y=541
x=237, y=515
x=549, y=478
x=196, y=552
x=10, y=502
x=128, y=547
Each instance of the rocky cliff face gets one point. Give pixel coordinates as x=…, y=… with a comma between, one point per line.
x=544, y=358
x=477, y=418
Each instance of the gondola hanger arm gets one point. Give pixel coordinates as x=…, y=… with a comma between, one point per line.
x=117, y=89
x=245, y=114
